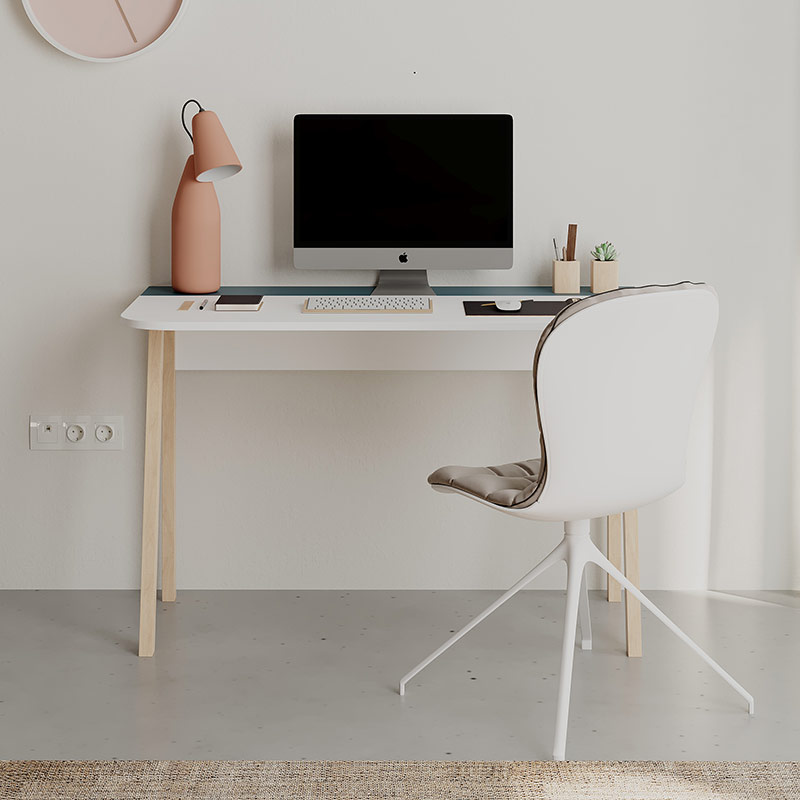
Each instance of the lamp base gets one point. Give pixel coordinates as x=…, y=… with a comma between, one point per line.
x=195, y=235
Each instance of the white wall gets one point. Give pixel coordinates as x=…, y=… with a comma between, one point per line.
x=670, y=129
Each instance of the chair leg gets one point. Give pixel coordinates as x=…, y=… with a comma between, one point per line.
x=584, y=617
x=598, y=558
x=558, y=554
x=577, y=549
x=575, y=568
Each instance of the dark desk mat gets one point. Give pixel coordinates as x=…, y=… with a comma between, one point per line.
x=530, y=308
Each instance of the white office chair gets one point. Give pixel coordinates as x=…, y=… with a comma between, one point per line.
x=615, y=378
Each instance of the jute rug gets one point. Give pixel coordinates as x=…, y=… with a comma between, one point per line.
x=387, y=780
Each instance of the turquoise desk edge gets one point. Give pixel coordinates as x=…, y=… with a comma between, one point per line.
x=306, y=291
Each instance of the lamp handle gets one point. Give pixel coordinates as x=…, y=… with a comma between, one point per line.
x=183, y=116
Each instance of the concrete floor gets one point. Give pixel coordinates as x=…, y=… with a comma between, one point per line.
x=312, y=674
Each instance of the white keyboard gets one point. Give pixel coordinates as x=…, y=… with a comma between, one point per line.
x=377, y=304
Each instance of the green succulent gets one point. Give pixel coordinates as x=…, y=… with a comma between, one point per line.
x=605, y=252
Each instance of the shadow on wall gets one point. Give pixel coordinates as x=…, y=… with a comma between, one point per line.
x=753, y=544
x=80, y=518
x=786, y=597
x=794, y=475
x=282, y=203
x=171, y=154
x=25, y=23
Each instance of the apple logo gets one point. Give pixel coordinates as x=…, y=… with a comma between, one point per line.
x=403, y=258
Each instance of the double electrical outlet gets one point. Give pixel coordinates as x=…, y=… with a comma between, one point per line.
x=75, y=432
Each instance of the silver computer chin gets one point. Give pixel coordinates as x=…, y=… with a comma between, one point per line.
x=403, y=194
x=407, y=268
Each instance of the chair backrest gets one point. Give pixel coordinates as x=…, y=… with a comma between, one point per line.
x=615, y=380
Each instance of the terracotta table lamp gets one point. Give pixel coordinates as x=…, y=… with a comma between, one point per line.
x=195, y=212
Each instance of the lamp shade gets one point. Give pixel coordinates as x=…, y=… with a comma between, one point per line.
x=214, y=156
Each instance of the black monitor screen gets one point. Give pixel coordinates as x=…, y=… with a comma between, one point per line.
x=405, y=180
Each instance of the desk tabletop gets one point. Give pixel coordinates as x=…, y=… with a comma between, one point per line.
x=159, y=308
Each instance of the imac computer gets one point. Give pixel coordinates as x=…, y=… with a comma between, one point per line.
x=403, y=193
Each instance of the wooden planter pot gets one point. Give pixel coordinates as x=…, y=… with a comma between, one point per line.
x=605, y=276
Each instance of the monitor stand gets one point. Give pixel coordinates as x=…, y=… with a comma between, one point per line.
x=402, y=281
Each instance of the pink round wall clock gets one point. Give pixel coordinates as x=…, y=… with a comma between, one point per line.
x=104, y=30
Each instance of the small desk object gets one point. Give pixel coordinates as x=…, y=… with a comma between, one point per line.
x=279, y=336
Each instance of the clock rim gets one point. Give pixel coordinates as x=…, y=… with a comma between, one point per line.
x=55, y=43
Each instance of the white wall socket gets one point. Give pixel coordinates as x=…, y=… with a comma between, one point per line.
x=75, y=432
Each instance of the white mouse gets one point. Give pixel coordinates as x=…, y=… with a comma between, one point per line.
x=508, y=305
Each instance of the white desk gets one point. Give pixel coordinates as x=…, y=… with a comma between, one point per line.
x=280, y=337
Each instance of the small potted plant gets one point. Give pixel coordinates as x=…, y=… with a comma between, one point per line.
x=605, y=268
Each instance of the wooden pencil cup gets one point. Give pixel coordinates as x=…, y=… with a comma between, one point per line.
x=566, y=277
x=605, y=276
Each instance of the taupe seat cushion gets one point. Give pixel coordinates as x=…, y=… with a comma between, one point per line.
x=507, y=485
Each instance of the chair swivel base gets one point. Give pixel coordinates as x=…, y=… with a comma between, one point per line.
x=577, y=549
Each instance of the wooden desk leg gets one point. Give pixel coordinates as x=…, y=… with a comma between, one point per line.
x=152, y=480
x=633, y=608
x=168, y=587
x=614, y=555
